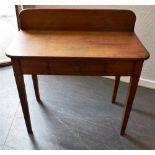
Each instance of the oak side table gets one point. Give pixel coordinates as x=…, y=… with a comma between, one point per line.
x=77, y=42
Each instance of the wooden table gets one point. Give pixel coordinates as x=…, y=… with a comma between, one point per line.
x=77, y=42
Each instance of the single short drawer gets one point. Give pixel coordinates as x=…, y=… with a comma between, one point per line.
x=77, y=67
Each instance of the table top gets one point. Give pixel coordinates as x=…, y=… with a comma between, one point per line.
x=79, y=44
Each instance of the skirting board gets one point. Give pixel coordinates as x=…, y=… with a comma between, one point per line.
x=142, y=82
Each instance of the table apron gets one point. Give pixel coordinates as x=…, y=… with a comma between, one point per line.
x=77, y=67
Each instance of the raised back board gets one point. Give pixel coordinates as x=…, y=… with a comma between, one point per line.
x=77, y=20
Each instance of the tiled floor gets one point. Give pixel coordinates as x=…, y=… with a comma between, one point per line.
x=76, y=114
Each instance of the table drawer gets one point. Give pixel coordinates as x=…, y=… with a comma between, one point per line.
x=77, y=67
x=63, y=67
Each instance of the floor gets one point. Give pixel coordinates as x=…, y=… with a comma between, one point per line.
x=76, y=114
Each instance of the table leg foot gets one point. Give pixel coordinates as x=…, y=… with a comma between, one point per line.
x=115, y=89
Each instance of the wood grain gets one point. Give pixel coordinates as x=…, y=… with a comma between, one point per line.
x=75, y=44
x=77, y=20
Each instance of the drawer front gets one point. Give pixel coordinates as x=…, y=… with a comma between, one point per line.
x=77, y=67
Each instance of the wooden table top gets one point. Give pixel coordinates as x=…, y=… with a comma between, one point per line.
x=80, y=44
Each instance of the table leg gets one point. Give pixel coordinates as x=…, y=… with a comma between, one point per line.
x=115, y=89
x=36, y=87
x=128, y=105
x=22, y=94
x=134, y=79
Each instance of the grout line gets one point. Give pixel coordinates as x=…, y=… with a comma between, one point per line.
x=10, y=127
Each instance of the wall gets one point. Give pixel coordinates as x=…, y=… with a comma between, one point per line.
x=144, y=28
